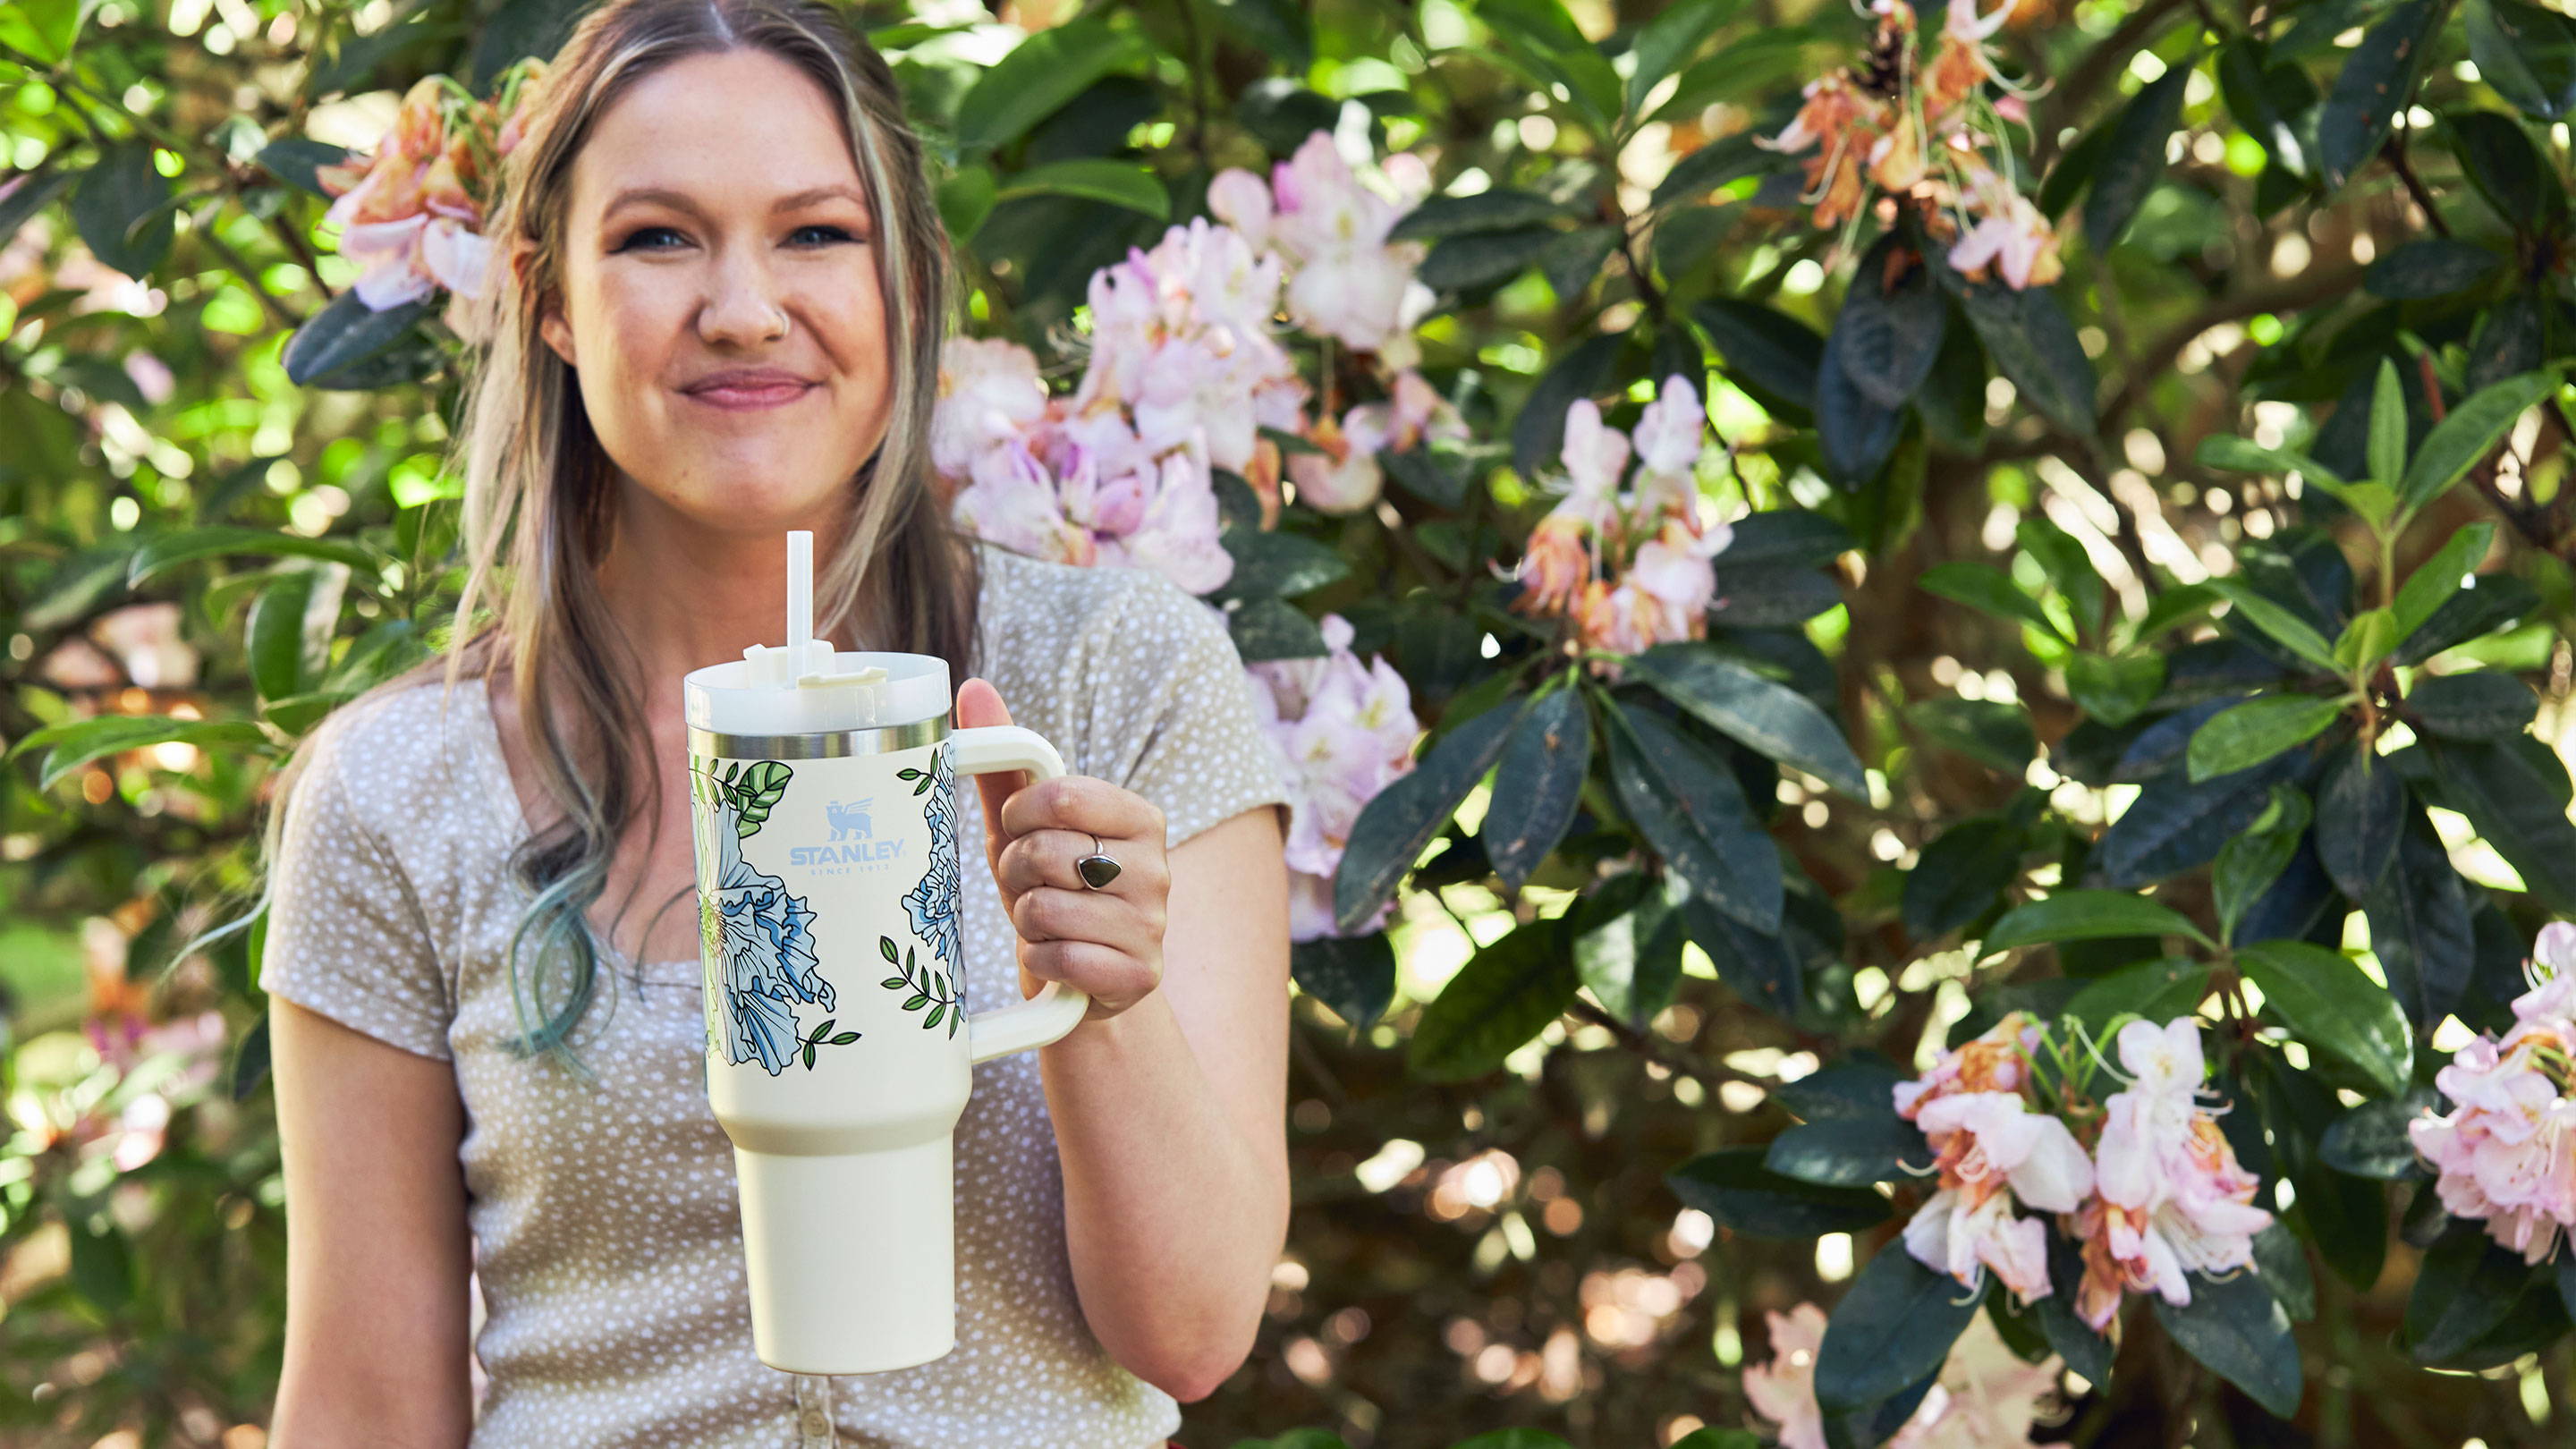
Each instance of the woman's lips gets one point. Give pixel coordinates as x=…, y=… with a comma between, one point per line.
x=750, y=396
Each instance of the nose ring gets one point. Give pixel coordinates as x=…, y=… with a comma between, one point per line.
x=781, y=314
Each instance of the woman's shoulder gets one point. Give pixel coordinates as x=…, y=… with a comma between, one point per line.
x=399, y=751
x=1051, y=612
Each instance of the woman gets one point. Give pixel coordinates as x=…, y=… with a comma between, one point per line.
x=717, y=305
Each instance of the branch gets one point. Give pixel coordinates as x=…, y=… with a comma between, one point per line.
x=2307, y=289
x=2395, y=151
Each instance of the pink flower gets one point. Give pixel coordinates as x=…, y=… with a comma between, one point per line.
x=1986, y=1397
x=1993, y=1062
x=2173, y=1199
x=1343, y=732
x=2506, y=1152
x=989, y=393
x=1350, y=282
x=2011, y=234
x=1994, y=1152
x=1784, y=1390
x=1344, y=477
x=1595, y=455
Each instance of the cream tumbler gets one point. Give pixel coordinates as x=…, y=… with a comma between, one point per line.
x=823, y=791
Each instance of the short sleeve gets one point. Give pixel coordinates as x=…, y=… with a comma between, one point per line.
x=1184, y=731
x=346, y=934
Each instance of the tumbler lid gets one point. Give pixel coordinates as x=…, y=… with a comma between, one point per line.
x=805, y=686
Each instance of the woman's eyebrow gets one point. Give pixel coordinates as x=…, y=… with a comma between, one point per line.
x=649, y=195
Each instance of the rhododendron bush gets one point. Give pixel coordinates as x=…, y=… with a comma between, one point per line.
x=1918, y=651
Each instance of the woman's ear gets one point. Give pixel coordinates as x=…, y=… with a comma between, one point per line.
x=550, y=319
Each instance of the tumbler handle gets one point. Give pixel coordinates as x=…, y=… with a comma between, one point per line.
x=1057, y=1008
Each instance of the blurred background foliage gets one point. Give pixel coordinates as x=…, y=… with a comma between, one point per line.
x=2338, y=221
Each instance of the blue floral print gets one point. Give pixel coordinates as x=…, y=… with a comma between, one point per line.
x=933, y=902
x=763, y=944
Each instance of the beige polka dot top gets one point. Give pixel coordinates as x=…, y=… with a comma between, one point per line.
x=607, y=1235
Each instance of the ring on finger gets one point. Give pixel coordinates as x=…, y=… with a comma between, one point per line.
x=1098, y=868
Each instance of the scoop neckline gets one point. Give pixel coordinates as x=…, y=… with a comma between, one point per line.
x=512, y=816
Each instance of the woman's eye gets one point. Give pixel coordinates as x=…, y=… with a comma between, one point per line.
x=641, y=239
x=819, y=233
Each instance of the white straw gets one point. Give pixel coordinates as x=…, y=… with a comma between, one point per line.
x=800, y=597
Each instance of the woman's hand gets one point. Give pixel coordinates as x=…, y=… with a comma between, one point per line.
x=1106, y=942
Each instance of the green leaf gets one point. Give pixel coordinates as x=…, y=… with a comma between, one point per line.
x=2263, y=96
x=2276, y=622
x=2133, y=159
x=1267, y=629
x=1038, y=77
x=1545, y=760
x=2472, y=429
x=290, y=629
x=1850, y=1151
x=102, y=1267
x=2032, y=342
x=1471, y=260
x=1894, y=1325
x=1887, y=339
x=334, y=341
x=2240, y=1332
x=2242, y=455
x=1094, y=178
x=2327, y=1001
x=2378, y=79
x=2497, y=155
x=2437, y=579
x=1989, y=731
x=1989, y=589
x=2515, y=792
x=2387, y=426
x=75, y=743
x=966, y=198
x=1732, y=1186
x=2527, y=52
x=2248, y=865
x=2088, y=915
x=2486, y=603
x=1399, y=821
x=120, y=212
x=1628, y=946
x=1770, y=719
x=1772, y=352
x=1506, y=993
x=2466, y=1286
x=1691, y=810
x=2371, y=1140
x=2366, y=640
x=2361, y=807
x=2246, y=735
x=2485, y=705
x=2158, y=990
x=1668, y=41
x=1270, y=565
x=35, y=192
x=2115, y=688
x=1353, y=975
x=1499, y=209
x=1961, y=875
x=2420, y=270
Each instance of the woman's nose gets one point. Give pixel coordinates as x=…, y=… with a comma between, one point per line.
x=742, y=307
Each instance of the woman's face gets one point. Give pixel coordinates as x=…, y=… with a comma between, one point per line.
x=720, y=298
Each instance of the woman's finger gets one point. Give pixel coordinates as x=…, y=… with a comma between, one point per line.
x=1082, y=802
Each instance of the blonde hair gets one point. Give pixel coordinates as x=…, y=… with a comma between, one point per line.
x=540, y=491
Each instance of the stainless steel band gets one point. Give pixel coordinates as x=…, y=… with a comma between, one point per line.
x=830, y=744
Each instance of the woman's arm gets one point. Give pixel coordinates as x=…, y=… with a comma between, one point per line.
x=1171, y=1122
x=377, y=1249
